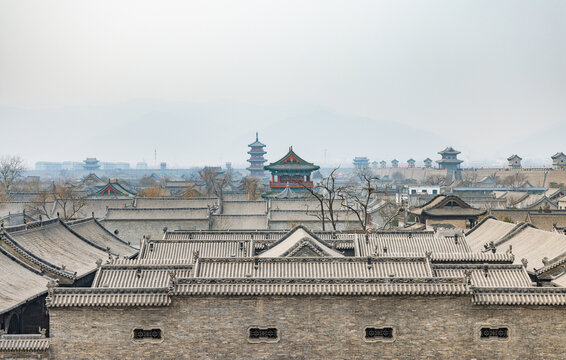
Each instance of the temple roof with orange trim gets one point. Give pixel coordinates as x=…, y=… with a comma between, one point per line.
x=292, y=162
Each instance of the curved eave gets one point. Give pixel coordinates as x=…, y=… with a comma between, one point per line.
x=291, y=168
x=252, y=152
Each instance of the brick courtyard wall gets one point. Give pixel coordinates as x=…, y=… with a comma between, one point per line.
x=309, y=328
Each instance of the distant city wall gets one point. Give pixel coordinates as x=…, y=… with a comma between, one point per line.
x=534, y=176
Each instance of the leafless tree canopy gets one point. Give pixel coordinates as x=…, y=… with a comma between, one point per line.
x=215, y=182
x=326, y=192
x=436, y=180
x=358, y=199
x=11, y=169
x=147, y=181
x=252, y=185
x=70, y=199
x=513, y=180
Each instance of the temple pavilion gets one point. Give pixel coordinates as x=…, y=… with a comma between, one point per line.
x=291, y=170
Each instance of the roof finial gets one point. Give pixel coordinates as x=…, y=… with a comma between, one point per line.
x=291, y=148
x=256, y=138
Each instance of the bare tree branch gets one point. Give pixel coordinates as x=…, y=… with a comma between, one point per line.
x=11, y=169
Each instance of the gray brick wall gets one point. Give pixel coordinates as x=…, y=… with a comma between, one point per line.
x=309, y=327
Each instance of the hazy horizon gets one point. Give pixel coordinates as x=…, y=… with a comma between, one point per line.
x=118, y=80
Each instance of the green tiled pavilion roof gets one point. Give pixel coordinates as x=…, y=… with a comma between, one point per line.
x=291, y=161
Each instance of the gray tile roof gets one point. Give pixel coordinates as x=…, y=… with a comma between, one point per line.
x=28, y=343
x=139, y=275
x=409, y=243
x=92, y=230
x=314, y=268
x=496, y=275
x=185, y=249
x=299, y=239
x=53, y=245
x=19, y=283
x=92, y=297
x=520, y=296
x=344, y=287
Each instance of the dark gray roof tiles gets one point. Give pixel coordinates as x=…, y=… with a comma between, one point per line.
x=23, y=343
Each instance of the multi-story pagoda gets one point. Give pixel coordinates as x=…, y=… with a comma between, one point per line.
x=291, y=170
x=256, y=159
x=451, y=163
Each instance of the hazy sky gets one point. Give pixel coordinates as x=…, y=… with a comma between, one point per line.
x=196, y=79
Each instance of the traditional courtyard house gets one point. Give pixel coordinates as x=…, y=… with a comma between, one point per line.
x=536, y=249
x=361, y=162
x=559, y=161
x=292, y=290
x=428, y=163
x=34, y=254
x=450, y=163
x=447, y=210
x=256, y=160
x=411, y=162
x=514, y=161
x=291, y=170
x=395, y=163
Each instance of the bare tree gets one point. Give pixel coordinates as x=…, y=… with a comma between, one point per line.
x=389, y=211
x=42, y=201
x=153, y=192
x=470, y=177
x=215, y=182
x=11, y=169
x=514, y=180
x=252, y=185
x=208, y=176
x=320, y=214
x=327, y=192
x=358, y=200
x=222, y=182
x=436, y=180
x=69, y=199
x=147, y=181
